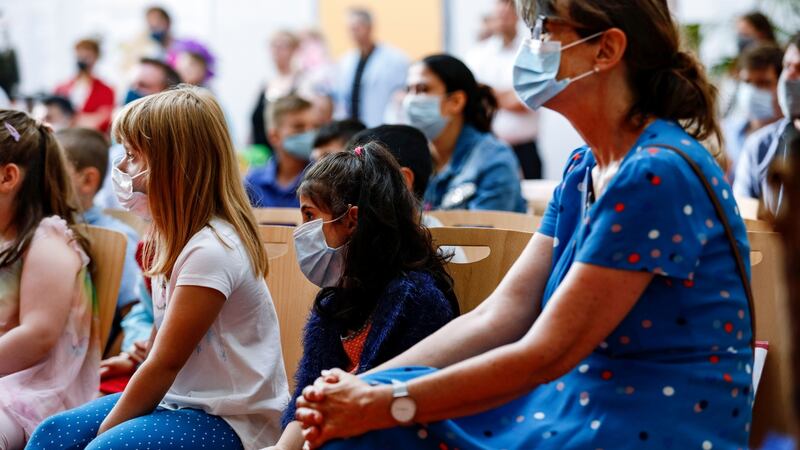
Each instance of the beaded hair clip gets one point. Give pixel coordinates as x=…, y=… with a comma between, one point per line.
x=12, y=131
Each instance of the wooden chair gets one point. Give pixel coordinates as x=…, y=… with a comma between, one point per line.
x=758, y=225
x=487, y=219
x=107, y=251
x=538, y=194
x=130, y=219
x=292, y=293
x=475, y=280
x=278, y=216
x=772, y=409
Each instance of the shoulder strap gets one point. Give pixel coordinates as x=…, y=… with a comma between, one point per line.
x=723, y=218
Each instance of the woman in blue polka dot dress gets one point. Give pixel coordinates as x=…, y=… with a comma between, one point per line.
x=625, y=323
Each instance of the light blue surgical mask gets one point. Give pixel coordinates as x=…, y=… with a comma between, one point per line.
x=424, y=112
x=755, y=103
x=321, y=264
x=536, y=67
x=300, y=145
x=789, y=97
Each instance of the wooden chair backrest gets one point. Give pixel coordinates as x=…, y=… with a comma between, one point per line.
x=107, y=252
x=278, y=216
x=292, y=294
x=772, y=409
x=475, y=280
x=487, y=219
x=130, y=219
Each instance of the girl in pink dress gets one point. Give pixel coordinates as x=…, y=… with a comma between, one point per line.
x=49, y=345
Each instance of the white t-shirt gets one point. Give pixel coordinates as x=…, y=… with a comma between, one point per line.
x=236, y=372
x=493, y=65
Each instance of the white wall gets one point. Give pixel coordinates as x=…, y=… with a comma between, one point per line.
x=44, y=31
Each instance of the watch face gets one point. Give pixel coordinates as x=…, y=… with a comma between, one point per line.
x=403, y=409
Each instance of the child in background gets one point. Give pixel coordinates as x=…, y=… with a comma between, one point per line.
x=214, y=376
x=384, y=286
x=49, y=341
x=291, y=132
x=87, y=163
x=137, y=326
x=333, y=137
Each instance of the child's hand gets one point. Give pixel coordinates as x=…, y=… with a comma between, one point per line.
x=138, y=351
x=121, y=364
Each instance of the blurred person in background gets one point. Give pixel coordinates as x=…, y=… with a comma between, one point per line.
x=57, y=111
x=333, y=137
x=193, y=62
x=492, y=62
x=157, y=41
x=92, y=99
x=754, y=28
x=760, y=67
x=291, y=132
x=770, y=143
x=473, y=169
x=319, y=74
x=371, y=77
x=282, y=47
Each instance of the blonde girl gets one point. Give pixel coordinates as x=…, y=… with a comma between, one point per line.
x=214, y=376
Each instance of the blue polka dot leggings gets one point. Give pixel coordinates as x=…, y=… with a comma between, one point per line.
x=162, y=429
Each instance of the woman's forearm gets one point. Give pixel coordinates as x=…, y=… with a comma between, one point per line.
x=438, y=350
x=472, y=386
x=501, y=319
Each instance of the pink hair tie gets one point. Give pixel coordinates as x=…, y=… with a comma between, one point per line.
x=359, y=151
x=12, y=131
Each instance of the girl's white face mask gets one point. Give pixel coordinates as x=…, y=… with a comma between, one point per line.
x=133, y=201
x=321, y=264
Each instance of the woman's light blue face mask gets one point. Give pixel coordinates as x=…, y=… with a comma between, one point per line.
x=536, y=67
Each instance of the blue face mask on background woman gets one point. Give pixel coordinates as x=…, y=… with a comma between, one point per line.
x=536, y=68
x=424, y=112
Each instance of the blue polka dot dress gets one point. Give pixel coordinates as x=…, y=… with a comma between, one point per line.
x=676, y=373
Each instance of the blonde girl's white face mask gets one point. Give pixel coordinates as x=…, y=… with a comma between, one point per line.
x=133, y=201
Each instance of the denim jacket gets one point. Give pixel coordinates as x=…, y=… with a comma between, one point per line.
x=483, y=173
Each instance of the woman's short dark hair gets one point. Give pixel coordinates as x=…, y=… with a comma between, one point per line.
x=761, y=24
x=389, y=239
x=667, y=82
x=481, y=103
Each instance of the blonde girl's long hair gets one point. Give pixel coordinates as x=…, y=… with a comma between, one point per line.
x=193, y=176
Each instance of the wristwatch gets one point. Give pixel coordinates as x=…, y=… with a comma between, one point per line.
x=403, y=408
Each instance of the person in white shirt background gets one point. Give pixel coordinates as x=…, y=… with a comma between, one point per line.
x=492, y=62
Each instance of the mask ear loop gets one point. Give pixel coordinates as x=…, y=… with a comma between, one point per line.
x=349, y=207
x=581, y=41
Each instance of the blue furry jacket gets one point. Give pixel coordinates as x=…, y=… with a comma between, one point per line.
x=410, y=308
